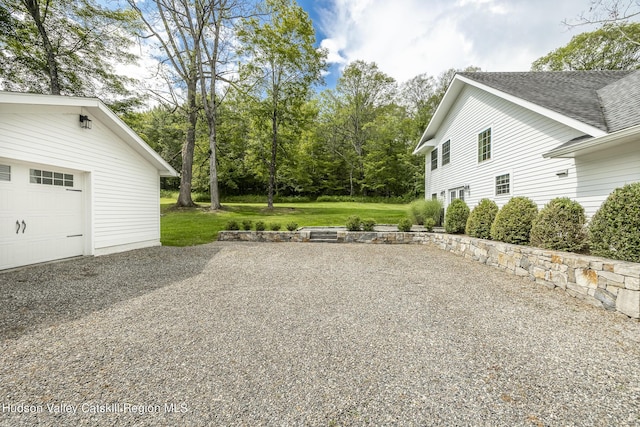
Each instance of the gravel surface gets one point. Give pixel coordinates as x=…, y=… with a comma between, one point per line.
x=306, y=334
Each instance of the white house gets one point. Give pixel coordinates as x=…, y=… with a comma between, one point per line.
x=74, y=180
x=536, y=134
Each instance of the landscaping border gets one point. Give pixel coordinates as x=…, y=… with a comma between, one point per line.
x=602, y=282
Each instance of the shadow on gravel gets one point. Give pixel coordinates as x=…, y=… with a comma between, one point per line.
x=50, y=294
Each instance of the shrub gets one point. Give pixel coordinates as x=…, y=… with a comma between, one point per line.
x=455, y=220
x=368, y=224
x=421, y=209
x=429, y=223
x=614, y=231
x=260, y=226
x=232, y=225
x=405, y=225
x=481, y=218
x=292, y=226
x=353, y=223
x=560, y=226
x=274, y=226
x=246, y=224
x=513, y=222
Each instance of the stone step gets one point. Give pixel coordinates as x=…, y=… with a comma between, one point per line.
x=323, y=236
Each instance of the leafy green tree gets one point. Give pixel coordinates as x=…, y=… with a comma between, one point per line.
x=65, y=47
x=283, y=64
x=612, y=47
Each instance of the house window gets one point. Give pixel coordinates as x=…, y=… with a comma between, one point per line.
x=503, y=184
x=446, y=152
x=37, y=176
x=456, y=193
x=434, y=159
x=5, y=173
x=484, y=145
x=434, y=196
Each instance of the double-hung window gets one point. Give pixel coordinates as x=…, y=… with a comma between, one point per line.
x=503, y=184
x=446, y=152
x=484, y=145
x=434, y=159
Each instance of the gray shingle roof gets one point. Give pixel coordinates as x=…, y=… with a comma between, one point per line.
x=575, y=94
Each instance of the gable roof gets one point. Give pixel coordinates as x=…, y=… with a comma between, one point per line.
x=589, y=101
x=100, y=111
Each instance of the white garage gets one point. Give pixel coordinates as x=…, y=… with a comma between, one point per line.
x=74, y=180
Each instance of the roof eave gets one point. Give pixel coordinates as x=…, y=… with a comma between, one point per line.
x=631, y=134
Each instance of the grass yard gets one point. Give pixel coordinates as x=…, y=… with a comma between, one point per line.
x=186, y=227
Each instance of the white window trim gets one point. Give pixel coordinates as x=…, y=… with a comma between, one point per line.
x=442, y=164
x=495, y=186
x=490, y=159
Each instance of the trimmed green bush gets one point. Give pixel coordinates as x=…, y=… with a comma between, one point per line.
x=274, y=226
x=513, y=222
x=405, y=225
x=260, y=226
x=246, y=224
x=455, y=220
x=353, y=223
x=421, y=209
x=232, y=225
x=368, y=224
x=292, y=226
x=481, y=218
x=614, y=231
x=560, y=226
x=429, y=223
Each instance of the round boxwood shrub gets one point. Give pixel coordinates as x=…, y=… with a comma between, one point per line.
x=614, y=231
x=429, y=223
x=260, y=226
x=481, y=218
x=560, y=226
x=232, y=224
x=274, y=226
x=405, y=225
x=455, y=220
x=292, y=226
x=513, y=222
x=353, y=223
x=246, y=224
x=368, y=224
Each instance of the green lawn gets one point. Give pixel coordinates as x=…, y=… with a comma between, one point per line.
x=186, y=227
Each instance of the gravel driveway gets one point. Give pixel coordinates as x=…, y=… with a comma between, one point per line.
x=306, y=334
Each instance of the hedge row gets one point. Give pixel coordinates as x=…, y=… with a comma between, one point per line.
x=614, y=231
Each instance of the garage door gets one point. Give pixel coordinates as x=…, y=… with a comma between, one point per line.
x=41, y=214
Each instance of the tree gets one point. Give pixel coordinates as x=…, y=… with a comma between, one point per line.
x=284, y=64
x=65, y=47
x=612, y=13
x=215, y=65
x=178, y=27
x=608, y=48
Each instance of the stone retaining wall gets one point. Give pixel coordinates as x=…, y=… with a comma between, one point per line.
x=610, y=284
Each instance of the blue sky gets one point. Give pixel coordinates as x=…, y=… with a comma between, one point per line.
x=409, y=37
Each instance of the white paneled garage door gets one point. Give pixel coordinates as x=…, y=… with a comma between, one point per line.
x=41, y=214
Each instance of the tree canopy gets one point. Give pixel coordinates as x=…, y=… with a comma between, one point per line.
x=608, y=48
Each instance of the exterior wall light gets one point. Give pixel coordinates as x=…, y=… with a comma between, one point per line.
x=85, y=122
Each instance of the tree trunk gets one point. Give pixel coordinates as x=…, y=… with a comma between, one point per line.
x=213, y=161
x=54, y=80
x=272, y=164
x=184, y=198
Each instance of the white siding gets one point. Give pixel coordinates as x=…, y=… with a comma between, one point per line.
x=123, y=187
x=602, y=172
x=519, y=138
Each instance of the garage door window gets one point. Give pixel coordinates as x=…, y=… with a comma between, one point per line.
x=5, y=173
x=38, y=176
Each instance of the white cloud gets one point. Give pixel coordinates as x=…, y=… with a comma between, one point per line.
x=409, y=37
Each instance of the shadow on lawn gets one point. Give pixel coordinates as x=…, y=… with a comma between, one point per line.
x=49, y=294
